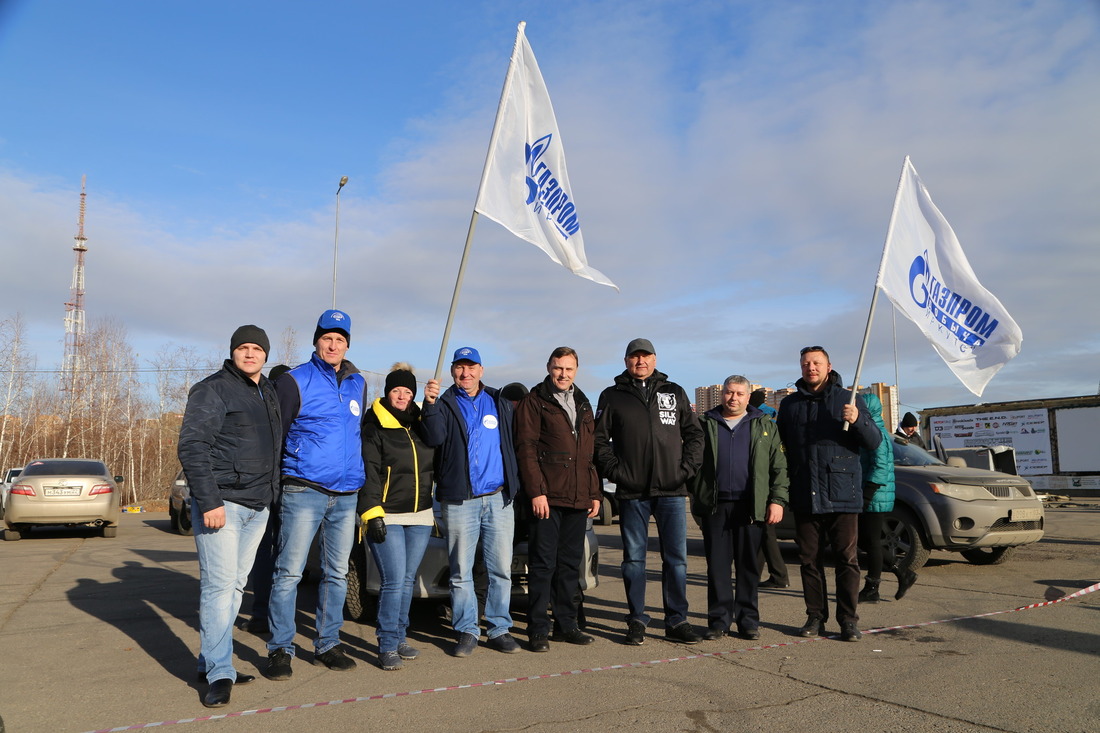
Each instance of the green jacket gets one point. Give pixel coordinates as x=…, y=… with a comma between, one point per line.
x=767, y=469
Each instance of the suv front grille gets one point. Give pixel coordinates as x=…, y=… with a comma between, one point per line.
x=1007, y=492
x=1003, y=525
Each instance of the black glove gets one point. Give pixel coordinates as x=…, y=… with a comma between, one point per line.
x=376, y=530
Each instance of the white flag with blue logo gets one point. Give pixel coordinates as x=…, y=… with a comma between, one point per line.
x=928, y=278
x=524, y=186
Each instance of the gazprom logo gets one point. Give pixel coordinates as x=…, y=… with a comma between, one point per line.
x=958, y=315
x=545, y=194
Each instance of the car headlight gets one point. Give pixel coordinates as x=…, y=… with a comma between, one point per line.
x=960, y=492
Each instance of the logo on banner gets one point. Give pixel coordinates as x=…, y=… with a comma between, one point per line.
x=545, y=195
x=957, y=315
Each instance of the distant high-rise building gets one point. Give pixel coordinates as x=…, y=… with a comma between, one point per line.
x=707, y=398
x=891, y=406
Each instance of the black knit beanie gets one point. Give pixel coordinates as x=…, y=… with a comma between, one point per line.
x=401, y=378
x=250, y=335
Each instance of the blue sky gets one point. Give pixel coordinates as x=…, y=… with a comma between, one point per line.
x=736, y=163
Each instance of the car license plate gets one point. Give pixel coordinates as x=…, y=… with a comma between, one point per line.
x=62, y=491
x=1024, y=515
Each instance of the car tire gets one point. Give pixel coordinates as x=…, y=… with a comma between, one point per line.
x=11, y=535
x=606, y=518
x=988, y=555
x=181, y=524
x=359, y=605
x=110, y=530
x=903, y=546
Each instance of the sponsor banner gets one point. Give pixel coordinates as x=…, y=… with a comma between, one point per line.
x=1027, y=431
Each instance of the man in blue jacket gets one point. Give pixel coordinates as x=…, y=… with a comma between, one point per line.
x=322, y=404
x=826, y=487
x=229, y=449
x=476, y=476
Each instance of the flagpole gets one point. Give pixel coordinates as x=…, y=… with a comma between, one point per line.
x=480, y=186
x=878, y=282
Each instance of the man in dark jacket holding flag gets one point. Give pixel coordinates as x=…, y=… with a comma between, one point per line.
x=826, y=485
x=649, y=443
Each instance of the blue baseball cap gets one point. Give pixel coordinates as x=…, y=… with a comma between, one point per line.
x=467, y=353
x=333, y=321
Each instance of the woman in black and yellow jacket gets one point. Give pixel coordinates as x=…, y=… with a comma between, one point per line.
x=395, y=506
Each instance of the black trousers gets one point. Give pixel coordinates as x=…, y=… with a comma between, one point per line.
x=815, y=533
x=555, y=550
x=770, y=554
x=731, y=540
x=870, y=539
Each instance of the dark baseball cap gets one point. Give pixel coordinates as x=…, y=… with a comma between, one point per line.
x=643, y=345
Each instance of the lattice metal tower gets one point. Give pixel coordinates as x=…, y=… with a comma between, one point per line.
x=74, y=309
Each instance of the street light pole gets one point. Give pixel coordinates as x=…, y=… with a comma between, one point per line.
x=336, y=240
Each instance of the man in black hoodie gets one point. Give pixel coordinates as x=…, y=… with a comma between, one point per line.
x=649, y=443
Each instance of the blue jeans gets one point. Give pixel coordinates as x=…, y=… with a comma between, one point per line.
x=670, y=514
x=225, y=558
x=302, y=512
x=397, y=558
x=488, y=519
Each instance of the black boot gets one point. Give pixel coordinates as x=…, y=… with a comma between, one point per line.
x=869, y=594
x=906, y=578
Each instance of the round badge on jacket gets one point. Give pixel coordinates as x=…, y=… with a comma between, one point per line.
x=354, y=407
x=490, y=422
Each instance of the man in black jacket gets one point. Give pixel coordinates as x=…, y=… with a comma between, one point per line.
x=649, y=443
x=826, y=485
x=229, y=447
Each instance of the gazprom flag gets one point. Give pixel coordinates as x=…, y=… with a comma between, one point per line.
x=525, y=186
x=926, y=275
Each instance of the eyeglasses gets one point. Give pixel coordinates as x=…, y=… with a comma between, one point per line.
x=808, y=349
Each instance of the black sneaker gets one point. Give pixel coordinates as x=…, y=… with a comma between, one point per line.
x=503, y=643
x=850, y=632
x=683, y=633
x=573, y=636
x=278, y=665
x=750, y=634
x=390, y=661
x=906, y=578
x=635, y=633
x=335, y=659
x=539, y=643
x=407, y=652
x=714, y=632
x=814, y=626
x=773, y=583
x=467, y=644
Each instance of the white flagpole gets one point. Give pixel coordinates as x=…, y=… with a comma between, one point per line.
x=480, y=186
x=878, y=282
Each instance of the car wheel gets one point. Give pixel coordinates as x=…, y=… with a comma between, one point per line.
x=902, y=544
x=182, y=524
x=11, y=535
x=988, y=555
x=359, y=605
x=110, y=530
x=605, y=517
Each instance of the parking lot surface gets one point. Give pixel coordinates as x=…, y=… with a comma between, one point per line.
x=101, y=634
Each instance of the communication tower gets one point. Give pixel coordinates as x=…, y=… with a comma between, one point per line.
x=74, y=309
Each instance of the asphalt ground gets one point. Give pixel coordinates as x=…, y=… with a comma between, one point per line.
x=101, y=634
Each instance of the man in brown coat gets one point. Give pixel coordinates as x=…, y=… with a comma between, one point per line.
x=554, y=431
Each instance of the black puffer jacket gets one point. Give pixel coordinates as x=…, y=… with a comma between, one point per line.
x=823, y=458
x=230, y=440
x=398, y=462
x=651, y=444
